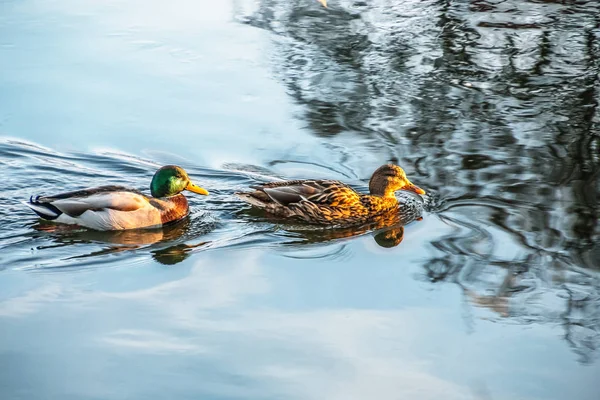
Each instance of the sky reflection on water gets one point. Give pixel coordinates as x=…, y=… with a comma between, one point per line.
x=256, y=325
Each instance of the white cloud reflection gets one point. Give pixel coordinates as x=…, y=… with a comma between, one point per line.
x=230, y=317
x=151, y=341
x=306, y=354
x=30, y=301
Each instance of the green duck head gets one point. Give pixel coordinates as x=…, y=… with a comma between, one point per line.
x=171, y=180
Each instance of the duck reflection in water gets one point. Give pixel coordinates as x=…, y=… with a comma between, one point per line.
x=388, y=231
x=388, y=237
x=172, y=235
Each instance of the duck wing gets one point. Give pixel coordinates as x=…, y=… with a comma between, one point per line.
x=95, y=199
x=320, y=192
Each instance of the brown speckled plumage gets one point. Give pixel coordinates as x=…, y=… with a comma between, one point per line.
x=329, y=202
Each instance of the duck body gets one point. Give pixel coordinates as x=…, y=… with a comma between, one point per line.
x=323, y=202
x=330, y=202
x=112, y=207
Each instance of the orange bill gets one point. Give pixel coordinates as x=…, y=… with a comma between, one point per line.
x=196, y=189
x=414, y=188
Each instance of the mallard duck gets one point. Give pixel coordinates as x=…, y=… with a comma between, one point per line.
x=328, y=202
x=116, y=207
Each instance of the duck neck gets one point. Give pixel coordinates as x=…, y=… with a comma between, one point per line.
x=387, y=194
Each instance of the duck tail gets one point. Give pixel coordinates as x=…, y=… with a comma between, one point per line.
x=44, y=210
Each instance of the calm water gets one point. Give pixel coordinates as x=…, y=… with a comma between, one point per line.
x=491, y=106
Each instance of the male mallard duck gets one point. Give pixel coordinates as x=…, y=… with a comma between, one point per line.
x=116, y=207
x=327, y=202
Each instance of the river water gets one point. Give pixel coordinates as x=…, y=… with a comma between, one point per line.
x=490, y=106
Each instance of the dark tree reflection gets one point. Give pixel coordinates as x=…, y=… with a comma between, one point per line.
x=495, y=105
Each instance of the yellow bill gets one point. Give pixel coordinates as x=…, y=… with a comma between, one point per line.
x=324, y=2
x=196, y=189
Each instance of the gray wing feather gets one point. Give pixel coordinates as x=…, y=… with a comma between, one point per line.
x=120, y=201
x=285, y=195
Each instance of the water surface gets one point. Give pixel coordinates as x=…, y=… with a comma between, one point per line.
x=491, y=106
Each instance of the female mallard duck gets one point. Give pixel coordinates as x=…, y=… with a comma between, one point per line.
x=327, y=202
x=116, y=207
